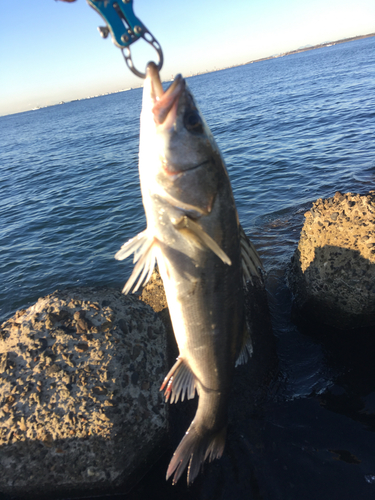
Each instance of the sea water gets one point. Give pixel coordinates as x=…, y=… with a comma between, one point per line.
x=291, y=129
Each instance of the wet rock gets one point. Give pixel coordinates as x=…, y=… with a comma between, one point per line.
x=332, y=274
x=70, y=421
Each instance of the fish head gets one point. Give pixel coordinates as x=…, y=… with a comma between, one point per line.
x=179, y=158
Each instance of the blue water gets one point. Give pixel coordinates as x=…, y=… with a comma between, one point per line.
x=291, y=129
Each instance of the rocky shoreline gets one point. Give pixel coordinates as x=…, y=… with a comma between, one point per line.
x=80, y=407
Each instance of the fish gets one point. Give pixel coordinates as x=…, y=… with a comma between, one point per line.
x=204, y=258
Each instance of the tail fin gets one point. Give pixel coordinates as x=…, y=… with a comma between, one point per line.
x=195, y=449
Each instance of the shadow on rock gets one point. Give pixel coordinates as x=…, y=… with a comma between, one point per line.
x=332, y=274
x=336, y=288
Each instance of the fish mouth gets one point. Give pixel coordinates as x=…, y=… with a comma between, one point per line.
x=171, y=169
x=165, y=103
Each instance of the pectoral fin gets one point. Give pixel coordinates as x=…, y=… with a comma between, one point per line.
x=179, y=381
x=190, y=227
x=251, y=263
x=143, y=248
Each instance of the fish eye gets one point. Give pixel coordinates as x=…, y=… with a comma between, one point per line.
x=193, y=122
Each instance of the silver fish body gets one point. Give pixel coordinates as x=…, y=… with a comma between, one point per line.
x=194, y=235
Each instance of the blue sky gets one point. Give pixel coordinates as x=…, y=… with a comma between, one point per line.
x=51, y=51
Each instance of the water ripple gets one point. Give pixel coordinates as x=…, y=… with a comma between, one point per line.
x=291, y=129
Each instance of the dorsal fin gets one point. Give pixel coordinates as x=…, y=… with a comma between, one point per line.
x=246, y=347
x=251, y=263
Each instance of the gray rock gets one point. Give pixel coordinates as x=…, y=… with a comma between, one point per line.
x=332, y=274
x=80, y=407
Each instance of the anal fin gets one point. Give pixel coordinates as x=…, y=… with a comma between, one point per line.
x=180, y=381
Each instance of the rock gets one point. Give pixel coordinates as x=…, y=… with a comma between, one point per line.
x=332, y=274
x=80, y=412
x=153, y=293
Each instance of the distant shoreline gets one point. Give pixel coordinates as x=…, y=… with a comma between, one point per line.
x=274, y=56
x=283, y=54
x=313, y=47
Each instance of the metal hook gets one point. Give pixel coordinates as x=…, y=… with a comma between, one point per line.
x=125, y=29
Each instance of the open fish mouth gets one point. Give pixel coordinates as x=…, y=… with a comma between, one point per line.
x=165, y=102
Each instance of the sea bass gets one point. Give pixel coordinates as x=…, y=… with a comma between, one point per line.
x=203, y=255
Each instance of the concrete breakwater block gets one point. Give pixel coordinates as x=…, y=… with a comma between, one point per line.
x=332, y=273
x=80, y=407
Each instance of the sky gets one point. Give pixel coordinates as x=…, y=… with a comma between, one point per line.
x=51, y=51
